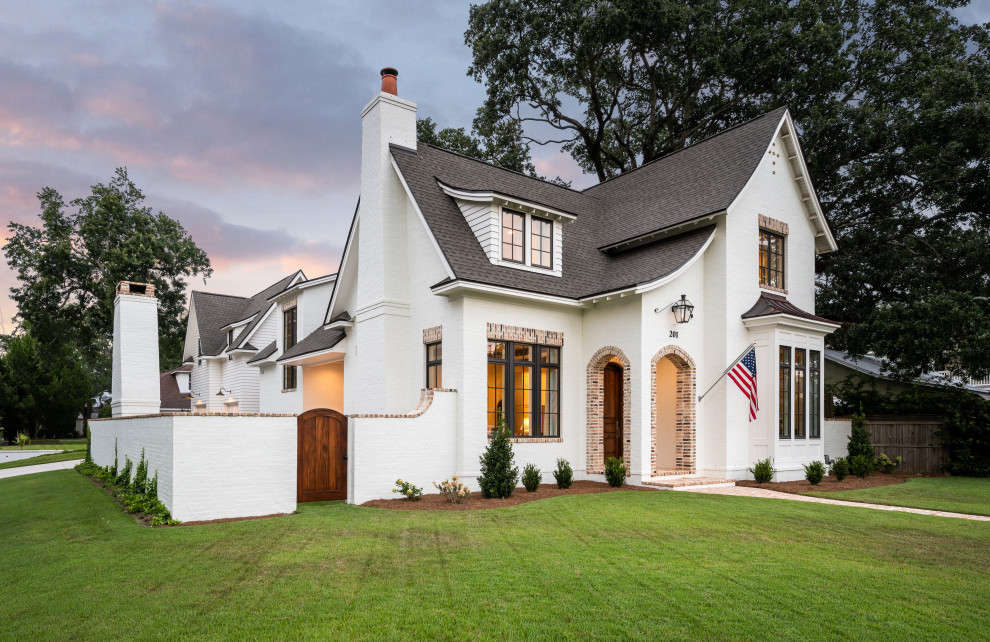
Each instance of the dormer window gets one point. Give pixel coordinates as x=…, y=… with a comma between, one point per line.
x=513, y=235
x=230, y=338
x=541, y=242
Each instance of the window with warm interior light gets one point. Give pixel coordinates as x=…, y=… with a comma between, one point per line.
x=513, y=236
x=434, y=365
x=784, y=393
x=524, y=388
x=771, y=260
x=541, y=242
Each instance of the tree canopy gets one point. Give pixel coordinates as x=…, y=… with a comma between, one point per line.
x=892, y=99
x=68, y=268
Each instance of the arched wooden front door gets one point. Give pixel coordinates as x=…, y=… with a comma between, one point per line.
x=322, y=464
x=612, y=412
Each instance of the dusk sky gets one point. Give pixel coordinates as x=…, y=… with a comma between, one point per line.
x=239, y=119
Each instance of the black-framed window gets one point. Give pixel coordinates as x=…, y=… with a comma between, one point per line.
x=524, y=388
x=784, y=393
x=434, y=365
x=800, y=370
x=814, y=394
x=541, y=242
x=288, y=378
x=513, y=236
x=771, y=259
x=289, y=319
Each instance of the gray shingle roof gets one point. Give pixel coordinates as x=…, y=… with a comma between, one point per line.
x=215, y=311
x=883, y=369
x=263, y=354
x=317, y=341
x=681, y=187
x=701, y=179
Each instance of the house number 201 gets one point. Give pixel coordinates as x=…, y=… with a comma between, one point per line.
x=673, y=334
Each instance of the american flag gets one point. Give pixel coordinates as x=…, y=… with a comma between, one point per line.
x=744, y=376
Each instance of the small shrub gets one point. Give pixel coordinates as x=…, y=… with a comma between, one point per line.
x=498, y=476
x=144, y=504
x=105, y=412
x=763, y=470
x=887, y=465
x=564, y=475
x=124, y=478
x=859, y=439
x=452, y=490
x=531, y=477
x=840, y=468
x=408, y=490
x=22, y=440
x=861, y=466
x=615, y=472
x=113, y=471
x=814, y=472
x=140, y=475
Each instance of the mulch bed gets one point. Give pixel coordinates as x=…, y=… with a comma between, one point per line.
x=435, y=501
x=830, y=485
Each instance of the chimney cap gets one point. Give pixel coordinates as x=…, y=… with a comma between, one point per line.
x=388, y=80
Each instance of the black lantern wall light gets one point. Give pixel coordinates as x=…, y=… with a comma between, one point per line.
x=683, y=310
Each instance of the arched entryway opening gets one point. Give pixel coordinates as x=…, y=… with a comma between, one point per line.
x=608, y=426
x=672, y=414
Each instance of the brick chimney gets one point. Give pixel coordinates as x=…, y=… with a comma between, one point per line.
x=136, y=389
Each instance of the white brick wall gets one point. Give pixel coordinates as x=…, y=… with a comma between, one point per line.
x=836, y=433
x=209, y=467
x=135, y=386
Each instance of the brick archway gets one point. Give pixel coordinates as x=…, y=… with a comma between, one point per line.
x=686, y=438
x=596, y=407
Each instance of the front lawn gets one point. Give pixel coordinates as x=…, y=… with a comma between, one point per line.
x=610, y=565
x=65, y=444
x=954, y=494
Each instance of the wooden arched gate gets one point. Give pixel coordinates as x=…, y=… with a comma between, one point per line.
x=322, y=463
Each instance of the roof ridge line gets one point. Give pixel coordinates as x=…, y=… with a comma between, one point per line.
x=229, y=296
x=684, y=149
x=478, y=160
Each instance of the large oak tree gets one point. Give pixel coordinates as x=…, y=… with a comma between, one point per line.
x=892, y=98
x=69, y=264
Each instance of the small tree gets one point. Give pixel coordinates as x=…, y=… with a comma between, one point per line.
x=498, y=475
x=859, y=439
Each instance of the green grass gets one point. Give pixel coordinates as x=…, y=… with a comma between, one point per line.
x=613, y=565
x=75, y=444
x=954, y=494
x=45, y=459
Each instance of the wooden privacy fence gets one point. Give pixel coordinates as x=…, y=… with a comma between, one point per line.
x=913, y=439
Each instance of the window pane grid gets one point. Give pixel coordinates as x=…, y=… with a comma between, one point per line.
x=434, y=365
x=541, y=239
x=814, y=395
x=799, y=393
x=771, y=259
x=784, y=396
x=524, y=385
x=513, y=229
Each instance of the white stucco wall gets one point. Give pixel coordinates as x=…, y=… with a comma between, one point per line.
x=209, y=467
x=837, y=432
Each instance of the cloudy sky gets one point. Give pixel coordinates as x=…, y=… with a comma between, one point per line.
x=239, y=119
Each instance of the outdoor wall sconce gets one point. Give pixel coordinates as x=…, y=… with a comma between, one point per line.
x=222, y=393
x=190, y=395
x=683, y=310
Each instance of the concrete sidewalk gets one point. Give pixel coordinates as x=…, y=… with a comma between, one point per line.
x=39, y=468
x=743, y=491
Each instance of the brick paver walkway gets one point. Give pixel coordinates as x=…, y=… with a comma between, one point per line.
x=743, y=491
x=38, y=468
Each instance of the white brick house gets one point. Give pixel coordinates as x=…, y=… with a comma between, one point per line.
x=504, y=293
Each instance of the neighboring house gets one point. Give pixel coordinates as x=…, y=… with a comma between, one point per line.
x=550, y=306
x=232, y=343
x=174, y=386
x=839, y=366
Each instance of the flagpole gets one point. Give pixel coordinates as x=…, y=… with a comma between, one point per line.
x=731, y=366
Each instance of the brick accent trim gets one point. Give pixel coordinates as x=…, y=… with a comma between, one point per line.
x=685, y=441
x=199, y=414
x=425, y=401
x=773, y=225
x=500, y=332
x=535, y=440
x=595, y=397
x=433, y=335
x=124, y=287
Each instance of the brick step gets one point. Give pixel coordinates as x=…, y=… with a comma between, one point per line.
x=670, y=473
x=684, y=483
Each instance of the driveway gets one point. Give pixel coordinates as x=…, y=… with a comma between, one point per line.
x=40, y=468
